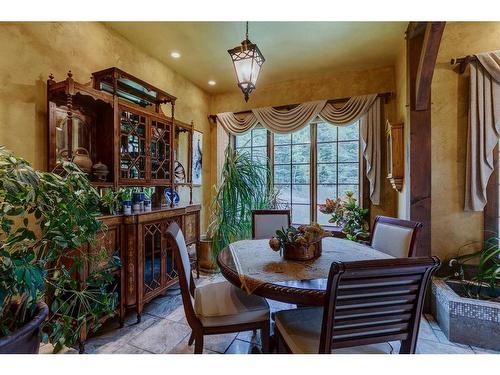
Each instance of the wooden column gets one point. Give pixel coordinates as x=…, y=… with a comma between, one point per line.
x=422, y=43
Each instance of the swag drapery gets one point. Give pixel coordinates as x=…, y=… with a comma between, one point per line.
x=484, y=127
x=366, y=108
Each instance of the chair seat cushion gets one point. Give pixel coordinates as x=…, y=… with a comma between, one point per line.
x=301, y=330
x=222, y=304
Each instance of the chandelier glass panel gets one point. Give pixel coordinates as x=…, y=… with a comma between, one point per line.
x=247, y=61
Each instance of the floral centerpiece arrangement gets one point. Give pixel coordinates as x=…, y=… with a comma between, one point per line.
x=302, y=243
x=347, y=213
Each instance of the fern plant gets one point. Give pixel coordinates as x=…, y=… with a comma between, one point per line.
x=244, y=186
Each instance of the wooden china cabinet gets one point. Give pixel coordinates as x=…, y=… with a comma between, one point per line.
x=117, y=120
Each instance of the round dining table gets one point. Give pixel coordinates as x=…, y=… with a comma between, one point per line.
x=253, y=266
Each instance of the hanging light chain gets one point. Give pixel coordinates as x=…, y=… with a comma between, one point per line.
x=246, y=34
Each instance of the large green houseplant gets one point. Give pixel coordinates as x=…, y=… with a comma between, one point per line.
x=244, y=186
x=44, y=218
x=477, y=272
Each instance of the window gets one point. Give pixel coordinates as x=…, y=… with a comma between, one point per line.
x=292, y=165
x=255, y=143
x=337, y=163
x=317, y=162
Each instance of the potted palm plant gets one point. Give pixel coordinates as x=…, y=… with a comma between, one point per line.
x=244, y=186
x=44, y=219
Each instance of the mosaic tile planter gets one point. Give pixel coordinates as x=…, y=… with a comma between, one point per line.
x=465, y=320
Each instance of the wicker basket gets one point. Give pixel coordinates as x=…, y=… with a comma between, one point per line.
x=302, y=252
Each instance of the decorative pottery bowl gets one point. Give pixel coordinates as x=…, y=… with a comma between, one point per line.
x=302, y=252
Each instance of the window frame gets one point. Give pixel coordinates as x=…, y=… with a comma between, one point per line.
x=363, y=183
x=291, y=164
x=360, y=165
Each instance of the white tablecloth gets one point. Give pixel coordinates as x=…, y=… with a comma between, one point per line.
x=256, y=263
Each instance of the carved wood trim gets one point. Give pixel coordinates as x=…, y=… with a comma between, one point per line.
x=395, y=155
x=428, y=56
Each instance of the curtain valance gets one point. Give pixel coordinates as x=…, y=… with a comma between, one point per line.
x=351, y=111
x=366, y=108
x=234, y=125
x=484, y=127
x=286, y=121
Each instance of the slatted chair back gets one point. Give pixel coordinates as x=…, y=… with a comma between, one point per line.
x=375, y=301
x=265, y=223
x=176, y=240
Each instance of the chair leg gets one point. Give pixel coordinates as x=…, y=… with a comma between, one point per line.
x=264, y=337
x=408, y=346
x=191, y=339
x=277, y=339
x=198, y=344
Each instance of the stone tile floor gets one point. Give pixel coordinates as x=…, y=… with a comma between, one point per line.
x=164, y=330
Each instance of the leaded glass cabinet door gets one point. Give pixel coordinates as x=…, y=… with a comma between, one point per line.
x=160, y=151
x=170, y=270
x=133, y=146
x=153, y=257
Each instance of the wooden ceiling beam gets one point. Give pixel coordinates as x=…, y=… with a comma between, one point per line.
x=428, y=56
x=415, y=29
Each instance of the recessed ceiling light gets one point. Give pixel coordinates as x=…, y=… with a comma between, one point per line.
x=175, y=54
x=212, y=82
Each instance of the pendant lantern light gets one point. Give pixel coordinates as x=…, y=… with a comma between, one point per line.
x=247, y=60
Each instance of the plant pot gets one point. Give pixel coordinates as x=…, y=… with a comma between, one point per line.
x=302, y=252
x=26, y=340
x=206, y=260
x=465, y=320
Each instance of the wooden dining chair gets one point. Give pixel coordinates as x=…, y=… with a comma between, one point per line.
x=367, y=304
x=216, y=308
x=396, y=237
x=265, y=223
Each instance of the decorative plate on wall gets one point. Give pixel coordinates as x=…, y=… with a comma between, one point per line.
x=179, y=172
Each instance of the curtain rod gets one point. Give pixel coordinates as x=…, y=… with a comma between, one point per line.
x=385, y=95
x=463, y=62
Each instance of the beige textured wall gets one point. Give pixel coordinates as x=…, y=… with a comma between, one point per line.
x=451, y=226
x=334, y=85
x=30, y=51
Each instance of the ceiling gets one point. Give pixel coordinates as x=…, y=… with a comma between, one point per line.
x=293, y=50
